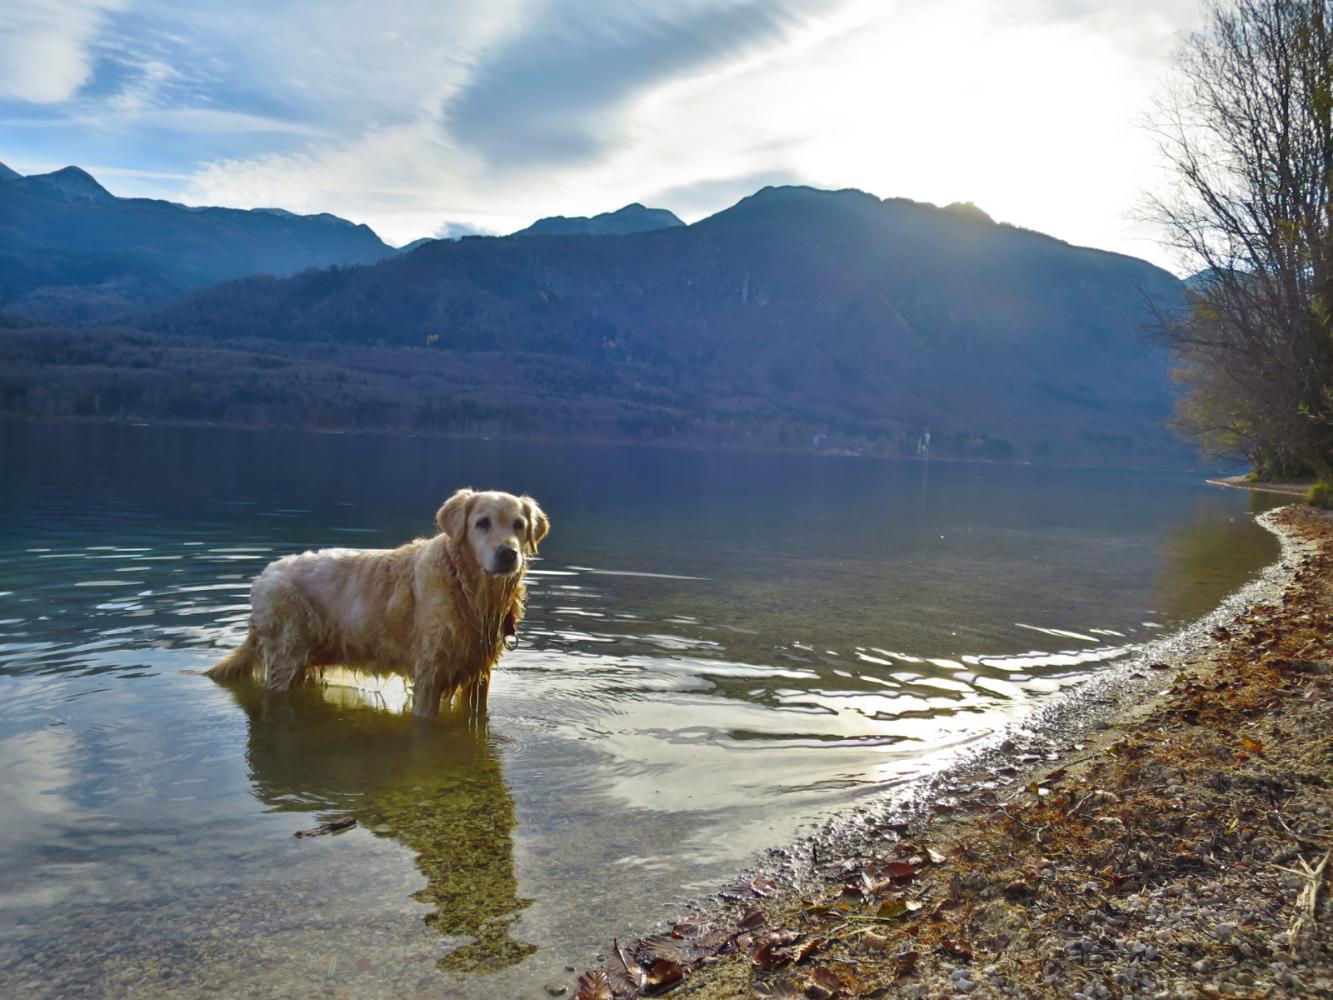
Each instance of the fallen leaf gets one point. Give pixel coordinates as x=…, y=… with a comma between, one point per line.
x=830, y=980
x=900, y=906
x=773, y=950
x=1252, y=745
x=737, y=892
x=663, y=974
x=594, y=986
x=805, y=949
x=713, y=941
x=673, y=949
x=633, y=971
x=905, y=963
x=755, y=918
x=768, y=956
x=622, y=985
x=779, y=989
x=958, y=949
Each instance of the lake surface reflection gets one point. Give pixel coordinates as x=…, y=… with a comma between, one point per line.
x=720, y=650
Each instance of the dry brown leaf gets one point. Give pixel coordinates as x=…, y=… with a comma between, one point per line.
x=905, y=963
x=663, y=974
x=899, y=871
x=594, y=986
x=753, y=919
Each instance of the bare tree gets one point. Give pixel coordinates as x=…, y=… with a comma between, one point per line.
x=1247, y=129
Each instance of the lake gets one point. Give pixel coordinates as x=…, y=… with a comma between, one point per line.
x=721, y=651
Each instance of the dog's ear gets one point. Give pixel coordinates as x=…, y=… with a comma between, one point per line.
x=538, y=524
x=452, y=516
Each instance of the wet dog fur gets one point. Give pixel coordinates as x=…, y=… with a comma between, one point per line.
x=436, y=610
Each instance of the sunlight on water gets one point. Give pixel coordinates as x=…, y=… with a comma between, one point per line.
x=354, y=688
x=708, y=667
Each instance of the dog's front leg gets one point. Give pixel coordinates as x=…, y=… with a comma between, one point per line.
x=283, y=669
x=426, y=691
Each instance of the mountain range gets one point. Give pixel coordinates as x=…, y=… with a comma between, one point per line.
x=633, y=218
x=797, y=318
x=71, y=251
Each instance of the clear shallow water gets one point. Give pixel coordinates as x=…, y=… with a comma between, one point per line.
x=720, y=649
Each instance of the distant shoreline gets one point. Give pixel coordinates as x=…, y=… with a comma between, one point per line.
x=720, y=446
x=1241, y=483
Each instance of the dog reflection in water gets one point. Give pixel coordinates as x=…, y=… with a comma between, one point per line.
x=435, y=788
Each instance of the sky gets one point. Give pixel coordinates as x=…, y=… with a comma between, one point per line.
x=443, y=117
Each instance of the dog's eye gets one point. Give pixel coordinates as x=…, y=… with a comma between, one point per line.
x=484, y=524
x=519, y=526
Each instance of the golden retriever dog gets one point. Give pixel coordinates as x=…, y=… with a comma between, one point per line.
x=436, y=610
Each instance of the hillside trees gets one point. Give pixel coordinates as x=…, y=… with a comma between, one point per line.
x=1248, y=132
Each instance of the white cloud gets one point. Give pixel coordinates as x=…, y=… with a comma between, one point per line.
x=215, y=121
x=143, y=90
x=351, y=64
x=46, y=47
x=548, y=95
x=423, y=114
x=457, y=230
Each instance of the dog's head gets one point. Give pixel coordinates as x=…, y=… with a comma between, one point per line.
x=497, y=530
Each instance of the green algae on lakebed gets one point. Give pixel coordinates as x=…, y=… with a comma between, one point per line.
x=434, y=787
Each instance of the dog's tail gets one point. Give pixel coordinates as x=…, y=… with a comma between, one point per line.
x=240, y=662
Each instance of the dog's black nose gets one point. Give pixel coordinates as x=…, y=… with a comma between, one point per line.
x=505, y=557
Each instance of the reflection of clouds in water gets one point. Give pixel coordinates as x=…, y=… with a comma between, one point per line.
x=182, y=600
x=684, y=734
x=35, y=771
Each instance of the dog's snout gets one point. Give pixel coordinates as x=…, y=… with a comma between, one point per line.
x=506, y=557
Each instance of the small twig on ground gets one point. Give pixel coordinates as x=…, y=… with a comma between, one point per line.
x=333, y=826
x=1301, y=838
x=1305, y=902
